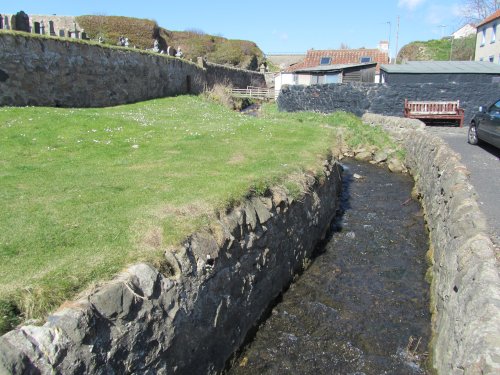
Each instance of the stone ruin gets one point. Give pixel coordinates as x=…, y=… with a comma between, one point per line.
x=61, y=26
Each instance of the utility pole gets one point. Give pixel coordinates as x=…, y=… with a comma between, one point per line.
x=443, y=27
x=397, y=39
x=389, y=41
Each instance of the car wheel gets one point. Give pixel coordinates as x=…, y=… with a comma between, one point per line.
x=472, y=135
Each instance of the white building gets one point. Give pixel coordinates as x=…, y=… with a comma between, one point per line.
x=325, y=74
x=487, y=43
x=464, y=31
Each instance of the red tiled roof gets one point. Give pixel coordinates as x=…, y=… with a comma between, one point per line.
x=341, y=56
x=490, y=18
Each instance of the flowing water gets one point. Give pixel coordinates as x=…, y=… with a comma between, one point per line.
x=362, y=306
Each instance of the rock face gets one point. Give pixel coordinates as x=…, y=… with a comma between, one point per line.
x=466, y=285
x=193, y=316
x=53, y=72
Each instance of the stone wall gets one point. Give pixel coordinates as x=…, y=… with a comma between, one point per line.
x=465, y=279
x=384, y=99
x=222, y=74
x=52, y=72
x=190, y=316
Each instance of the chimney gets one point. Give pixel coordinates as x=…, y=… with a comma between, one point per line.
x=383, y=45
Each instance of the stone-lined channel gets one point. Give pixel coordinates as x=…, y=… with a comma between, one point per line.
x=363, y=304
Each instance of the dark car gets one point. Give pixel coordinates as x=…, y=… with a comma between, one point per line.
x=485, y=126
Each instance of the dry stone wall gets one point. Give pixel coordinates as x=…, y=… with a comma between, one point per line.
x=465, y=273
x=53, y=72
x=190, y=316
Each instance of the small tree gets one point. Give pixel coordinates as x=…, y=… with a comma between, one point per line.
x=476, y=10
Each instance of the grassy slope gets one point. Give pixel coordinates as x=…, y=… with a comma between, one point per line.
x=142, y=32
x=439, y=50
x=85, y=192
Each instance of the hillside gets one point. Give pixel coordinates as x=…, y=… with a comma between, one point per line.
x=142, y=33
x=439, y=50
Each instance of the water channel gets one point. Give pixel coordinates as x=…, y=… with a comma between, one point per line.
x=362, y=307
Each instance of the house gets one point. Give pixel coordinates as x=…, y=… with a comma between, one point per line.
x=464, y=31
x=315, y=58
x=487, y=45
x=323, y=74
x=440, y=72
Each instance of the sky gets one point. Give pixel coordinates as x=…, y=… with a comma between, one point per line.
x=279, y=26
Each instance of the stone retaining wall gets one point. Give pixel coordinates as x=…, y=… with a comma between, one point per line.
x=220, y=74
x=190, y=316
x=384, y=99
x=465, y=280
x=42, y=71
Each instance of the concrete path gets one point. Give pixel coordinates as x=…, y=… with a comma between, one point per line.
x=483, y=163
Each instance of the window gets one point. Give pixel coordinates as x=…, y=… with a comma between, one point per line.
x=495, y=109
x=491, y=58
x=483, y=40
x=494, y=33
x=365, y=59
x=325, y=61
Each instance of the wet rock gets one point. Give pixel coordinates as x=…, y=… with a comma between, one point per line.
x=357, y=176
x=396, y=166
x=350, y=235
x=380, y=157
x=364, y=156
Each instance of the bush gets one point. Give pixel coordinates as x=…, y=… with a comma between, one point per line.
x=9, y=316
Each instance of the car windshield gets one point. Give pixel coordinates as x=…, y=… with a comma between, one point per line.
x=495, y=108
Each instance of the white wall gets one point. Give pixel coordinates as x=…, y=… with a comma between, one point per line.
x=489, y=45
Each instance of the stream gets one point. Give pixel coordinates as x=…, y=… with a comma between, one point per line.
x=362, y=307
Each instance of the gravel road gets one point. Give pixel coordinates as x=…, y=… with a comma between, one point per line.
x=483, y=163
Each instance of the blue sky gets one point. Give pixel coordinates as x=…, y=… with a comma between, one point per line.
x=278, y=26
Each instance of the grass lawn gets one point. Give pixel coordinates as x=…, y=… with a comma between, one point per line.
x=86, y=192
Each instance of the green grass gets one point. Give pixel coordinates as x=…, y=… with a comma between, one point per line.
x=142, y=33
x=439, y=50
x=86, y=192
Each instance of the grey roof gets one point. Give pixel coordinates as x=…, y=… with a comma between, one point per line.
x=432, y=67
x=332, y=68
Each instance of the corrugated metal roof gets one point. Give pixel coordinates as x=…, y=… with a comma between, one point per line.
x=455, y=67
x=332, y=68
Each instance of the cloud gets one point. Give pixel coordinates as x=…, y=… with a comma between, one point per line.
x=410, y=4
x=281, y=35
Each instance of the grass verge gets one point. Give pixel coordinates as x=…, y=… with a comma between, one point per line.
x=86, y=192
